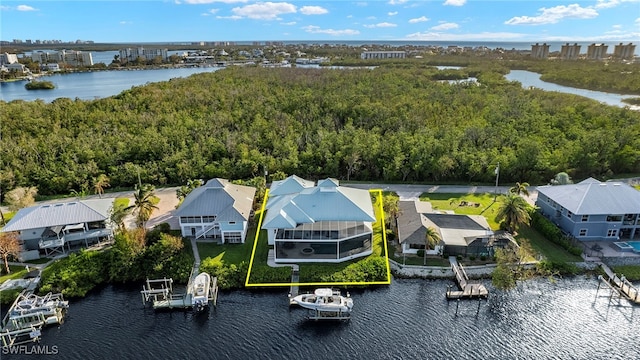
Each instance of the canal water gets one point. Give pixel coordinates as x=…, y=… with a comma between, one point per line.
x=410, y=319
x=100, y=84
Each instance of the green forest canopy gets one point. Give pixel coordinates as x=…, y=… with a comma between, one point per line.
x=390, y=124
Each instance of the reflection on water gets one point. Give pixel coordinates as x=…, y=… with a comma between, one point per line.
x=531, y=79
x=410, y=319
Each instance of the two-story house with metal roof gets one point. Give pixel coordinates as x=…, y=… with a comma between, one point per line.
x=218, y=210
x=322, y=223
x=592, y=210
x=54, y=228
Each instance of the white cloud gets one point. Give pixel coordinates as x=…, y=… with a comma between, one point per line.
x=455, y=2
x=289, y=23
x=124, y=22
x=418, y=20
x=313, y=10
x=371, y=18
x=638, y=21
x=232, y=17
x=198, y=2
x=605, y=4
x=484, y=36
x=380, y=25
x=4, y=8
x=618, y=26
x=397, y=2
x=317, y=30
x=554, y=15
x=264, y=11
x=25, y=8
x=445, y=26
x=210, y=12
x=394, y=13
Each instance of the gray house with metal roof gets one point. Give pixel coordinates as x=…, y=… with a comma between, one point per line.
x=322, y=223
x=57, y=227
x=218, y=210
x=592, y=210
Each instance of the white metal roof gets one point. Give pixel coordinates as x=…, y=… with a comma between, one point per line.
x=60, y=214
x=319, y=204
x=220, y=198
x=594, y=197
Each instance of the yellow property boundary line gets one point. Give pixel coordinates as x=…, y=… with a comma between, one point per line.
x=384, y=240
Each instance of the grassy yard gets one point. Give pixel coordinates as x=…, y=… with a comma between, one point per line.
x=17, y=272
x=229, y=253
x=631, y=272
x=551, y=251
x=466, y=204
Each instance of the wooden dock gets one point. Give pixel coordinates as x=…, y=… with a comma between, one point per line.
x=468, y=290
x=620, y=285
x=295, y=280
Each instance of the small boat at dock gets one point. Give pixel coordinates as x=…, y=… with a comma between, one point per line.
x=325, y=300
x=200, y=297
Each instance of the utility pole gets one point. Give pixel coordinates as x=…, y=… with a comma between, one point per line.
x=497, y=171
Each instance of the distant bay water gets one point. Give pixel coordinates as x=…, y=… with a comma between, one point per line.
x=409, y=319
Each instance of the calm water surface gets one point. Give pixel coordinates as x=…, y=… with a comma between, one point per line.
x=410, y=319
x=93, y=85
x=529, y=79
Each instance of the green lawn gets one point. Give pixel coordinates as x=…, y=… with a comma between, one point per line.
x=551, y=251
x=456, y=202
x=230, y=253
x=17, y=272
x=488, y=208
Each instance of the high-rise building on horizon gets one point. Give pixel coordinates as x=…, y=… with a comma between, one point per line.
x=624, y=52
x=540, y=51
x=570, y=52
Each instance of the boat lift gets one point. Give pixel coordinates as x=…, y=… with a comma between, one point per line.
x=161, y=295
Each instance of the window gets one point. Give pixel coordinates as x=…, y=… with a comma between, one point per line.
x=614, y=218
x=612, y=232
x=583, y=232
x=585, y=218
x=569, y=214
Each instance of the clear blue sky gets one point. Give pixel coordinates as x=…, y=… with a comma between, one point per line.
x=337, y=20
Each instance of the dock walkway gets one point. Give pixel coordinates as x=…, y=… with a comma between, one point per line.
x=620, y=284
x=467, y=289
x=160, y=291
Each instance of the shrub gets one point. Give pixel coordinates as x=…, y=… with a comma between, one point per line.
x=472, y=257
x=421, y=253
x=7, y=297
x=553, y=233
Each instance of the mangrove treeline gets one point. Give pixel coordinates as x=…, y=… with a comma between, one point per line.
x=385, y=124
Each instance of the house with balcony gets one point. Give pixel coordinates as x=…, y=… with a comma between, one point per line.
x=322, y=223
x=592, y=210
x=460, y=234
x=55, y=228
x=217, y=211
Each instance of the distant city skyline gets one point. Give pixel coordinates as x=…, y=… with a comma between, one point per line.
x=390, y=20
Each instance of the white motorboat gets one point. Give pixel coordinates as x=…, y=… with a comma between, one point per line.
x=200, y=297
x=325, y=300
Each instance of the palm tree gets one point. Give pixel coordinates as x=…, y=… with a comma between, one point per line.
x=119, y=211
x=431, y=239
x=144, y=203
x=513, y=212
x=391, y=209
x=99, y=183
x=520, y=188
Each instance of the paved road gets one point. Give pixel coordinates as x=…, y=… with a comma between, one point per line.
x=413, y=192
x=407, y=192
